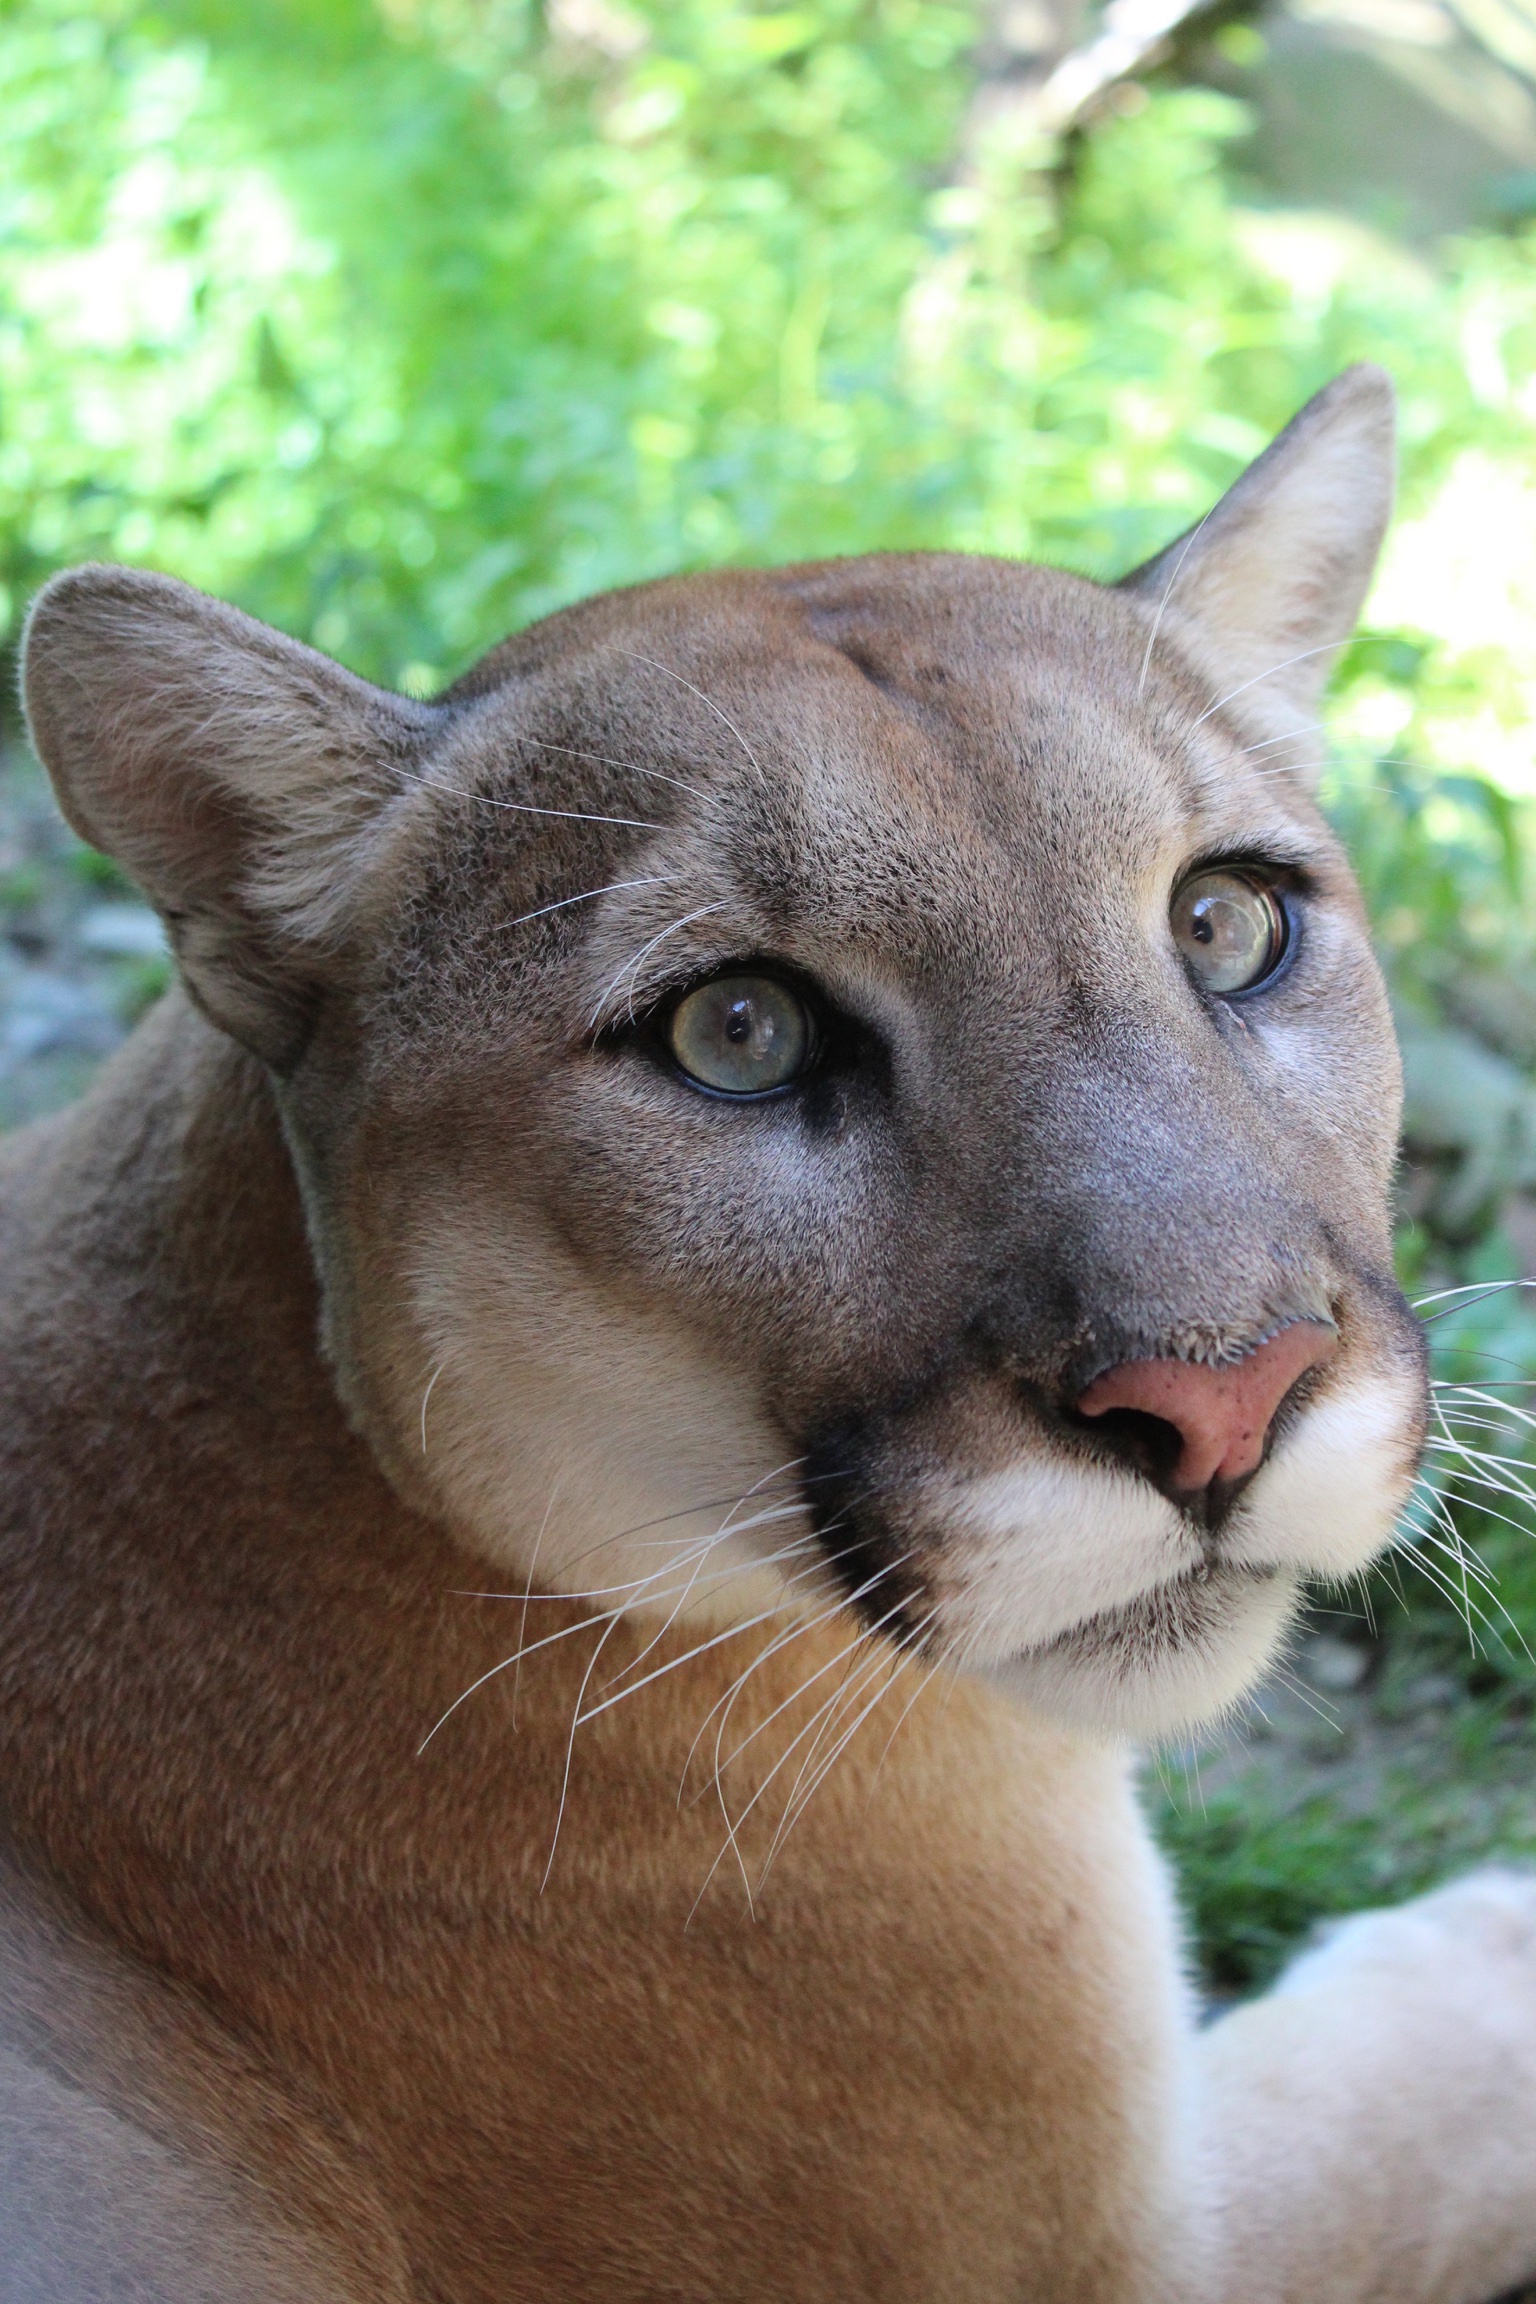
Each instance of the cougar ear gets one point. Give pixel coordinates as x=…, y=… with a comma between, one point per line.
x=1263, y=593
x=235, y=774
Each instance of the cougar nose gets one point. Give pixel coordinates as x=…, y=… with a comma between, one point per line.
x=1221, y=1416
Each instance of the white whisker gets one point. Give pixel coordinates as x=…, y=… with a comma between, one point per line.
x=1295, y=735
x=654, y=880
x=886, y=1660
x=426, y=1396
x=854, y=1679
x=723, y=717
x=522, y=1629
x=527, y=808
x=602, y=760
x=780, y=1640
x=929, y=1675
x=585, y=1624
x=632, y=967
x=1178, y=567
x=749, y=1624
x=570, y=1748
x=1324, y=648
x=855, y=1643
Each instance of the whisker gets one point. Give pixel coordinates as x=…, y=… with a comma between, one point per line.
x=602, y=760
x=1266, y=743
x=1323, y=648
x=1468, y=1565
x=1448, y=1442
x=1319, y=1705
x=700, y=1554
x=570, y=1748
x=886, y=1661
x=1452, y=1443
x=758, y=1520
x=1472, y=1477
x=631, y=967
x=930, y=1674
x=426, y=1396
x=784, y=1757
x=527, y=808
x=1480, y=1408
x=1485, y=1576
x=1481, y=1397
x=855, y=1675
x=522, y=1630
x=1459, y=1594
x=733, y=1827
x=585, y=1624
x=902, y=1658
x=1441, y=1583
x=609, y=1615
x=733, y=1568
x=1478, y=1290
x=683, y=1512
x=749, y=1624
x=654, y=880
x=673, y=1664
x=780, y=1640
x=1178, y=568
x=820, y=1557
x=708, y=701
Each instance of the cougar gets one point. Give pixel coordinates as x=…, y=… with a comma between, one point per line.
x=750, y=1246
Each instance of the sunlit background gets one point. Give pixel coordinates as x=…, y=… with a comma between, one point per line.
x=403, y=321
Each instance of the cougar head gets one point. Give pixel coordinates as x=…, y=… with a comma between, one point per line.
x=862, y=1086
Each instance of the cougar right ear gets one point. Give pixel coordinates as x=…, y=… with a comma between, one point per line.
x=1263, y=593
x=238, y=776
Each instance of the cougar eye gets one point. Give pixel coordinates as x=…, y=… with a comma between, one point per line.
x=740, y=1035
x=1230, y=929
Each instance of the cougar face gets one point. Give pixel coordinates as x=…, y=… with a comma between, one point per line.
x=862, y=1086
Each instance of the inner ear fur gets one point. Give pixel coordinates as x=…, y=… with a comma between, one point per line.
x=238, y=776
x=1263, y=593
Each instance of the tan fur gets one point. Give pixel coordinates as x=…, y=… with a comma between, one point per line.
x=435, y=1327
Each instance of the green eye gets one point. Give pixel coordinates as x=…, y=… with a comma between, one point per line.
x=741, y=1035
x=1230, y=930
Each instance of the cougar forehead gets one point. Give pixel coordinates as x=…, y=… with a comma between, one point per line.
x=824, y=1349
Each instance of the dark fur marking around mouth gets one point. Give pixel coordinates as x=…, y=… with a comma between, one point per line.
x=869, y=1559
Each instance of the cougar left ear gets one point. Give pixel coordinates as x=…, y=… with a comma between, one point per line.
x=1261, y=595
x=239, y=777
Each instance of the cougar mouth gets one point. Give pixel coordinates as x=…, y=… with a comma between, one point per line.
x=1055, y=1565
x=1169, y=1616
x=1175, y=1658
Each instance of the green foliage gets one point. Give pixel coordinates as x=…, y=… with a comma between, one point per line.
x=1256, y=1878
x=405, y=322
x=1263, y=1864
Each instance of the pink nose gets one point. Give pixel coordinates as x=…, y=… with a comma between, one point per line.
x=1222, y=1415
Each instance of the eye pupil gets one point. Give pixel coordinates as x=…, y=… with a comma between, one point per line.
x=1230, y=928
x=741, y=1035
